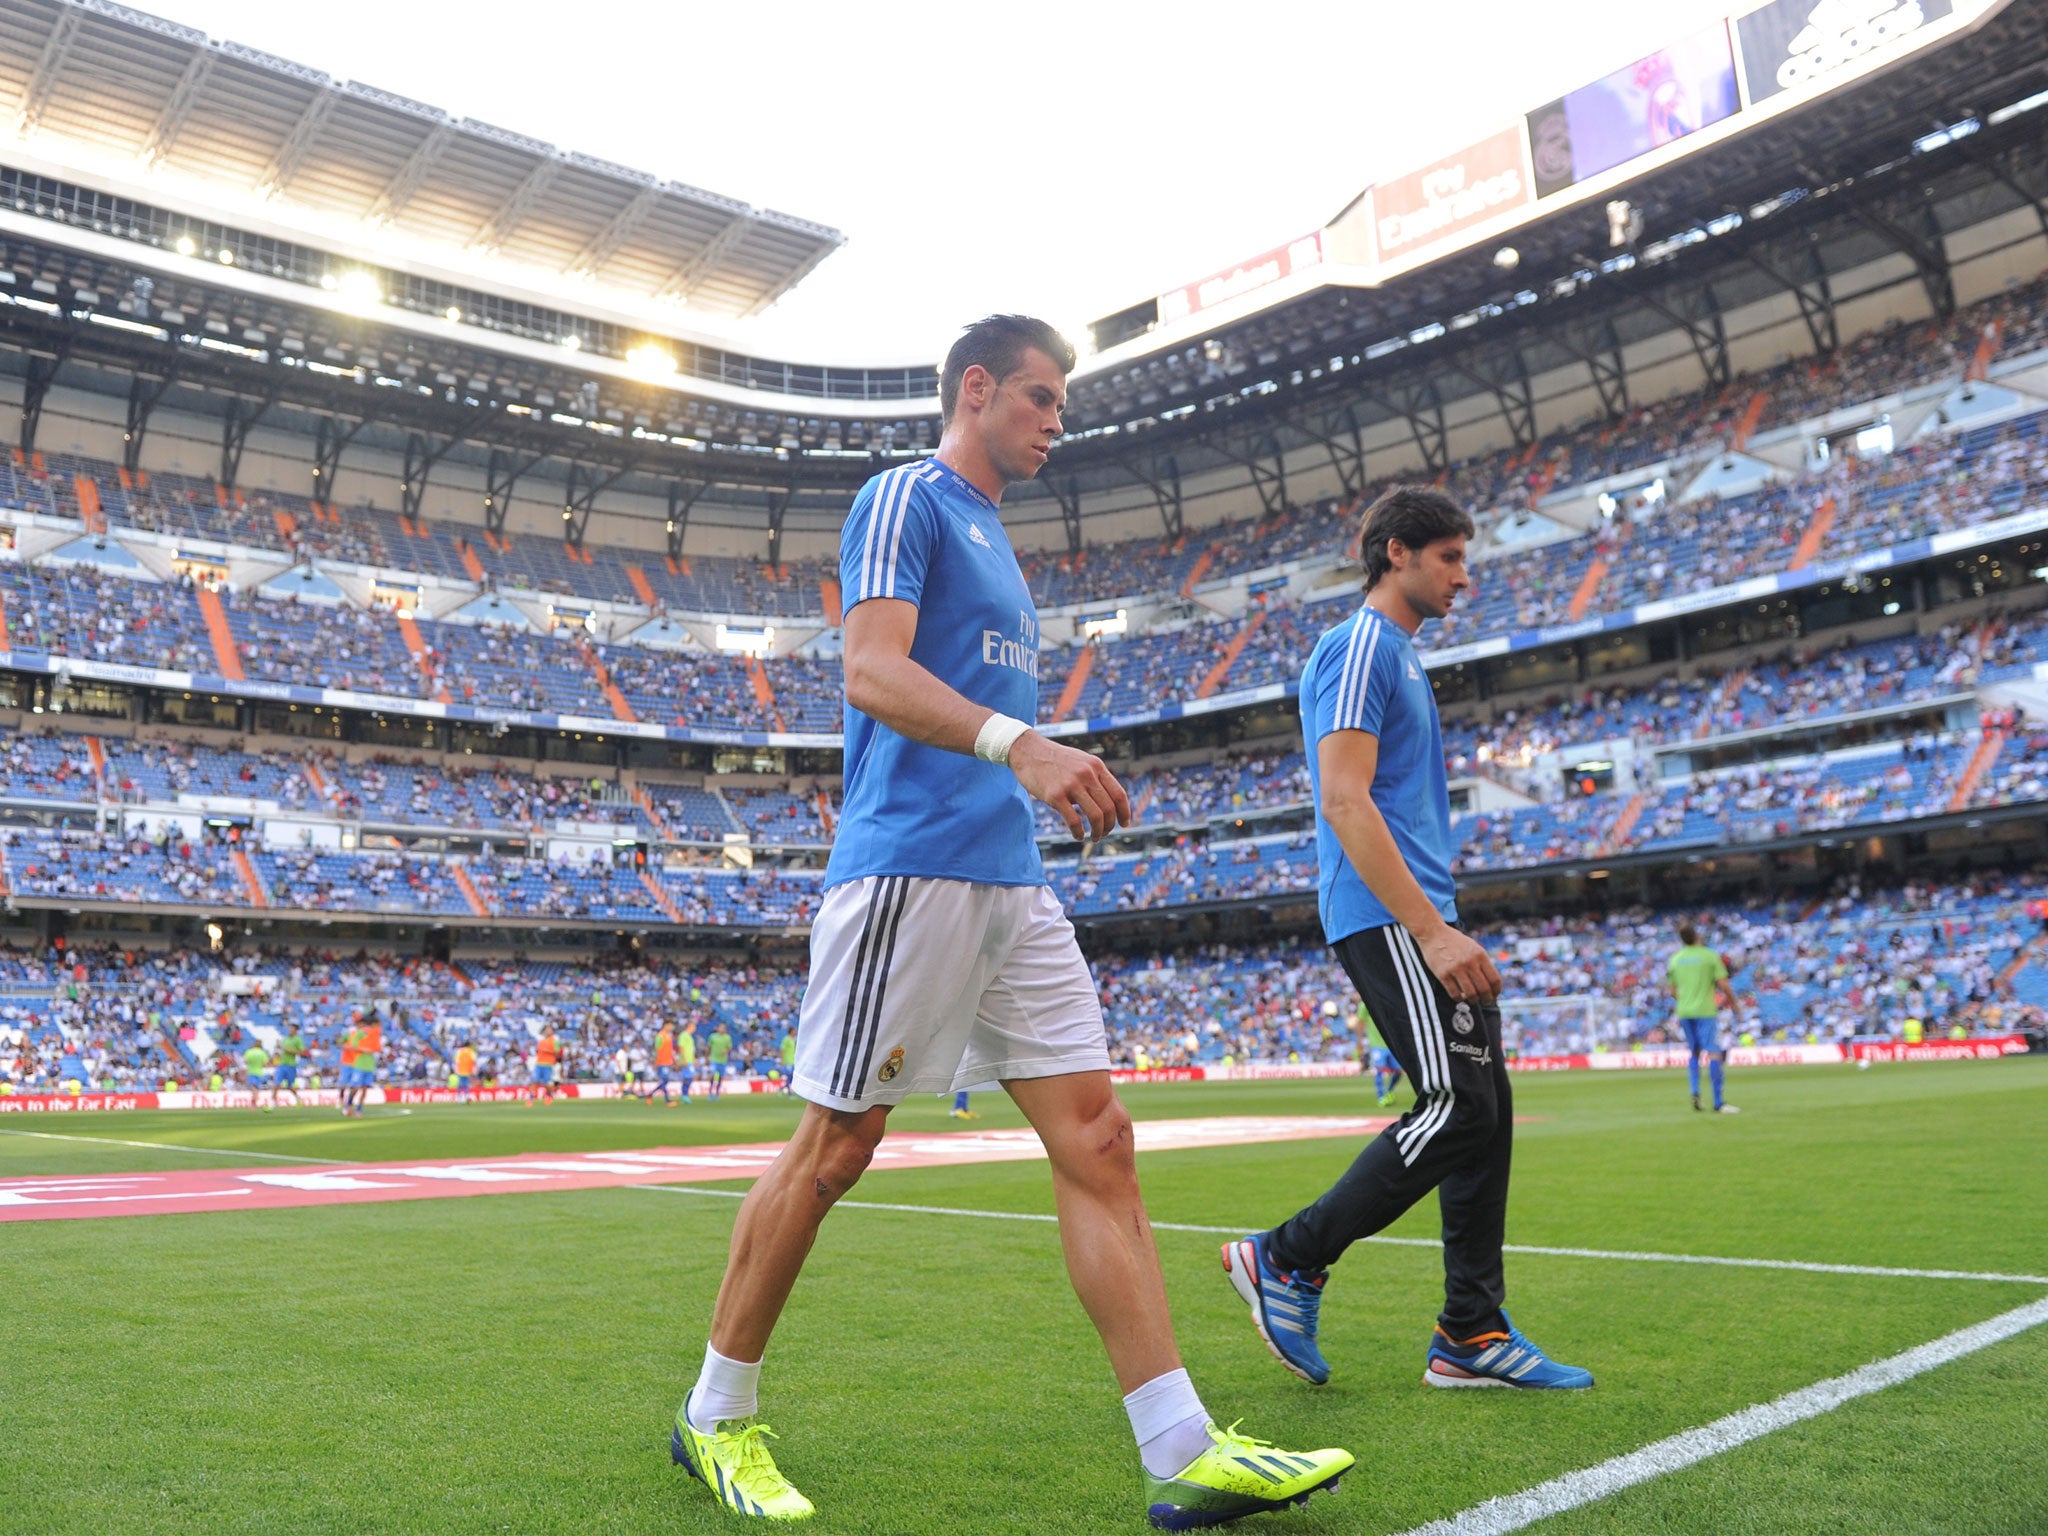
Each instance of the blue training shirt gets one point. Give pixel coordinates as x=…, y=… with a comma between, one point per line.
x=922, y=533
x=1364, y=675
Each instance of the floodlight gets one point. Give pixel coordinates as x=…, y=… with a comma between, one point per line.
x=651, y=359
x=1507, y=258
x=187, y=246
x=361, y=286
x=454, y=314
x=572, y=343
x=227, y=257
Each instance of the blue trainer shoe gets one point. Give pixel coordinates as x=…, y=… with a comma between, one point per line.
x=1285, y=1305
x=1496, y=1360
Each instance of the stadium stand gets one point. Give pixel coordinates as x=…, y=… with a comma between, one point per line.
x=1866, y=727
x=1846, y=966
x=1970, y=477
x=1904, y=769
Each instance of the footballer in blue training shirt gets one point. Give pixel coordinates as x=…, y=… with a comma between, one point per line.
x=1390, y=911
x=941, y=959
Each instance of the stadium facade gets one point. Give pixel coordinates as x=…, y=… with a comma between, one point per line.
x=398, y=550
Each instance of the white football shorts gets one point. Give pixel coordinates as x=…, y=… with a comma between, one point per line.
x=931, y=986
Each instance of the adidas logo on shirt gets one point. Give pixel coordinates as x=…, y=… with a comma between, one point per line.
x=974, y=533
x=1414, y=675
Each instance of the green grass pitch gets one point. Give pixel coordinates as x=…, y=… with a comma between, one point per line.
x=509, y=1363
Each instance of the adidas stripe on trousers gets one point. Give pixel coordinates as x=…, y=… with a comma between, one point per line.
x=1458, y=1139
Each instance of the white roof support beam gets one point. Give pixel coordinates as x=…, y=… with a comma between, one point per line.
x=682, y=282
x=524, y=199
x=413, y=174
x=791, y=278
x=170, y=122
x=605, y=244
x=291, y=154
x=42, y=80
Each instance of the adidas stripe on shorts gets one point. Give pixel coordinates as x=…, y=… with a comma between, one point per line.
x=930, y=986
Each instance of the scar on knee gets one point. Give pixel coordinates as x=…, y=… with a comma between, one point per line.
x=824, y=1190
x=1123, y=1130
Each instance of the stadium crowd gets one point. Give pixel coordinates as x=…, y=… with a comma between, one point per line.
x=1854, y=964
x=1845, y=504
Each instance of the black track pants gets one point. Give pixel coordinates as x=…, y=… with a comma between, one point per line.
x=1458, y=1139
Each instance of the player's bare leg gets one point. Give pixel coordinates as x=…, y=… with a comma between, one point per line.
x=779, y=1221
x=1104, y=1231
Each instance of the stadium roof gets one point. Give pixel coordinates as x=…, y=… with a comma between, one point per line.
x=130, y=86
x=1876, y=168
x=1833, y=206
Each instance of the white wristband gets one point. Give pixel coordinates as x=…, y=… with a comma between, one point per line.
x=997, y=735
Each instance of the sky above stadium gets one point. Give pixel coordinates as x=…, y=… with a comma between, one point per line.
x=1067, y=163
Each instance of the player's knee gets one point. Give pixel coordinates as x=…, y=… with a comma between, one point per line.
x=843, y=1155
x=1103, y=1143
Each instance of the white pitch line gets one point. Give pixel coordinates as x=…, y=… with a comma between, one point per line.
x=1879, y=1271
x=171, y=1146
x=1812, y=1268
x=1515, y=1512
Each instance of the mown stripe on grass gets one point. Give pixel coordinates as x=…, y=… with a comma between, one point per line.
x=169, y=1146
x=1515, y=1512
x=1882, y=1271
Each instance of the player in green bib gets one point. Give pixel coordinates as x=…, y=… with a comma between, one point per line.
x=1386, y=1067
x=686, y=1058
x=719, y=1048
x=788, y=1060
x=1699, y=978
x=290, y=1047
x=256, y=1067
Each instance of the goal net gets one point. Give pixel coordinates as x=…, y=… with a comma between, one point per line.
x=1561, y=1026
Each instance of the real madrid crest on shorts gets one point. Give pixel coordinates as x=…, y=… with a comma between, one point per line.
x=1461, y=1020
x=894, y=1064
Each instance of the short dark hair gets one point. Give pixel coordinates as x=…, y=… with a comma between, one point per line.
x=1414, y=514
x=998, y=344
x=1688, y=935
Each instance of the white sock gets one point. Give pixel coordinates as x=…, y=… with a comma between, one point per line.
x=726, y=1389
x=1171, y=1425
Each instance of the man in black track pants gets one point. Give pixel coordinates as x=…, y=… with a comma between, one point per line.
x=1389, y=910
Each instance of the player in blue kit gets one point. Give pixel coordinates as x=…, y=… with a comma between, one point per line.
x=1389, y=910
x=940, y=958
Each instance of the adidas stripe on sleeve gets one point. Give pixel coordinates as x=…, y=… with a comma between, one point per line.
x=889, y=537
x=1367, y=669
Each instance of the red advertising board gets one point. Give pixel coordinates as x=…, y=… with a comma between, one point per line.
x=1429, y=207
x=1259, y=272
x=1979, y=1049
